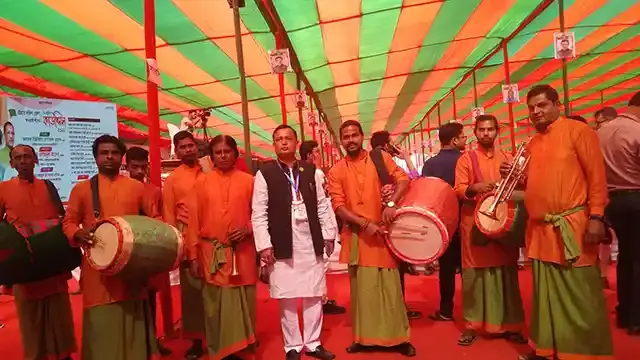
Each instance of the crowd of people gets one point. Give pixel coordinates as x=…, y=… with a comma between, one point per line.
x=281, y=225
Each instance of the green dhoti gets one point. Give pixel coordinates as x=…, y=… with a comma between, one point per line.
x=491, y=300
x=230, y=320
x=119, y=331
x=191, y=304
x=46, y=327
x=569, y=317
x=379, y=312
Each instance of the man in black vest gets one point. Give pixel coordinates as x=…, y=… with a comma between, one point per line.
x=292, y=229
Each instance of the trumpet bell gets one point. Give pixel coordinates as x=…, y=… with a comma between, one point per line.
x=491, y=222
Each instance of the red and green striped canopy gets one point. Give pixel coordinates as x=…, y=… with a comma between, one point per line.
x=391, y=64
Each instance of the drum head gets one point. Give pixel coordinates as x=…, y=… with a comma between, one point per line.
x=503, y=220
x=417, y=236
x=105, y=250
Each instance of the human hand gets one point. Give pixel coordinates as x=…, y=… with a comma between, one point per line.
x=505, y=167
x=595, y=233
x=237, y=235
x=388, y=215
x=373, y=229
x=267, y=257
x=483, y=187
x=386, y=191
x=329, y=246
x=195, y=269
x=84, y=237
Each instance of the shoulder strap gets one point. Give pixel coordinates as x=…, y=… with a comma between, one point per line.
x=381, y=168
x=95, y=196
x=475, y=165
x=55, y=197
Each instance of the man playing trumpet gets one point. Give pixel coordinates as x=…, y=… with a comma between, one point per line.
x=490, y=291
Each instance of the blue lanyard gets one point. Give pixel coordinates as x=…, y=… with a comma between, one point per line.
x=295, y=183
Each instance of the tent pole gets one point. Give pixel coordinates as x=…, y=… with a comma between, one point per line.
x=422, y=140
x=283, y=101
x=243, y=87
x=453, y=103
x=302, y=137
x=475, y=89
x=565, y=80
x=507, y=79
x=439, y=116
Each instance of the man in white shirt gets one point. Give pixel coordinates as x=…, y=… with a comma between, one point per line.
x=292, y=229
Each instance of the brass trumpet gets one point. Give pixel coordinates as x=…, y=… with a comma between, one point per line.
x=234, y=262
x=507, y=185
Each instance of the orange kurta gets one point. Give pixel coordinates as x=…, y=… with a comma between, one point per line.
x=177, y=191
x=566, y=170
x=222, y=202
x=354, y=183
x=118, y=197
x=492, y=254
x=24, y=203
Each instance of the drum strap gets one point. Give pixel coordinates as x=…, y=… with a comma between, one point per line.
x=381, y=168
x=95, y=196
x=475, y=166
x=55, y=197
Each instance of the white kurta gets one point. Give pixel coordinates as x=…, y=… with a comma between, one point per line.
x=332, y=263
x=303, y=274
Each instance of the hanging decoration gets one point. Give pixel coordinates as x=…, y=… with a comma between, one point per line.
x=510, y=94
x=280, y=61
x=477, y=111
x=564, y=45
x=300, y=97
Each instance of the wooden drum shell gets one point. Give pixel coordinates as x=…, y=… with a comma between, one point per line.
x=134, y=252
x=511, y=223
x=425, y=221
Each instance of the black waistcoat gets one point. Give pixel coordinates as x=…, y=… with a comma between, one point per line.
x=279, y=206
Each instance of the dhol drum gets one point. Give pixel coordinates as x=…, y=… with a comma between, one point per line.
x=509, y=223
x=425, y=221
x=135, y=248
x=38, y=257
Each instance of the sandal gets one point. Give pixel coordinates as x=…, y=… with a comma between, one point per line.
x=437, y=316
x=467, y=339
x=355, y=348
x=413, y=315
x=515, y=337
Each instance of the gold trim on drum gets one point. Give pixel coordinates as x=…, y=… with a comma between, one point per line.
x=124, y=246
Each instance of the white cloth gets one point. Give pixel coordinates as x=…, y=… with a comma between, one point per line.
x=302, y=275
x=312, y=321
x=331, y=263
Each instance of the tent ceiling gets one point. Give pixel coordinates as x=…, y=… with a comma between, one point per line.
x=386, y=63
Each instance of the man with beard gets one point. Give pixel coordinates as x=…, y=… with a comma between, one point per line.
x=117, y=317
x=490, y=290
x=43, y=307
x=178, y=188
x=138, y=169
x=379, y=316
x=443, y=166
x=293, y=229
x=310, y=153
x=219, y=240
x=565, y=197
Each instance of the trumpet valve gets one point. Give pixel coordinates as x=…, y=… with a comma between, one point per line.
x=490, y=214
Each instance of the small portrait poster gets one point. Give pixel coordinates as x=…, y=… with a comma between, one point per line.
x=300, y=97
x=280, y=61
x=477, y=111
x=312, y=118
x=564, y=45
x=510, y=94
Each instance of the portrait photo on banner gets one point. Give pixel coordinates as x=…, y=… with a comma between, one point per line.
x=564, y=45
x=477, y=111
x=280, y=61
x=300, y=97
x=510, y=94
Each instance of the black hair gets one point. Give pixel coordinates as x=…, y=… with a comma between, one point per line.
x=578, y=118
x=380, y=138
x=108, y=139
x=635, y=99
x=181, y=135
x=449, y=131
x=137, y=153
x=23, y=145
x=306, y=148
x=282, y=127
x=351, y=123
x=227, y=140
x=4, y=127
x=607, y=111
x=486, y=117
x=545, y=89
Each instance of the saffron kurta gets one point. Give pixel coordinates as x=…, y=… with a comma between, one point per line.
x=379, y=312
x=491, y=293
x=44, y=309
x=566, y=174
x=117, y=321
x=176, y=195
x=222, y=202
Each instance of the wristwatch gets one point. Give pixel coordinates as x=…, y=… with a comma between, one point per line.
x=391, y=204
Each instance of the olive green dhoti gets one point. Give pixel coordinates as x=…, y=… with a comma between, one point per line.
x=569, y=318
x=230, y=319
x=377, y=306
x=491, y=300
x=119, y=331
x=191, y=304
x=46, y=326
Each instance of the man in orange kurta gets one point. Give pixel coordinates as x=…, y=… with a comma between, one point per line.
x=177, y=191
x=379, y=316
x=219, y=241
x=566, y=193
x=43, y=307
x=491, y=298
x=138, y=169
x=117, y=322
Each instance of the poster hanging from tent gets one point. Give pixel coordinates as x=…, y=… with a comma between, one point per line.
x=477, y=111
x=510, y=94
x=280, y=61
x=61, y=132
x=564, y=45
x=300, y=97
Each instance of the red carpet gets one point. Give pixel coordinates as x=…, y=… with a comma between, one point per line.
x=432, y=340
